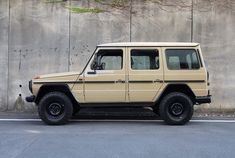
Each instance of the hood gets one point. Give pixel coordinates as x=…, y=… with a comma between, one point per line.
x=65, y=76
x=62, y=74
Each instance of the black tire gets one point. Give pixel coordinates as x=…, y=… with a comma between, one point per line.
x=55, y=108
x=76, y=108
x=176, y=108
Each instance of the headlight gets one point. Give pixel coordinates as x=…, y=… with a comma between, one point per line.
x=36, y=77
x=30, y=86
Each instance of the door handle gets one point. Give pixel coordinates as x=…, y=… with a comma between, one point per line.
x=120, y=81
x=157, y=80
x=91, y=72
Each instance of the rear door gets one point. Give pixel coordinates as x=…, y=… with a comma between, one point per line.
x=145, y=73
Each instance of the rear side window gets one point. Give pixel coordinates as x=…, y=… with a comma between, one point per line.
x=147, y=59
x=178, y=59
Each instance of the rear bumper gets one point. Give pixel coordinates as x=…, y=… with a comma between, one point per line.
x=203, y=99
x=30, y=98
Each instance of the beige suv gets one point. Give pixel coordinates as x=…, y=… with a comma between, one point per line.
x=168, y=77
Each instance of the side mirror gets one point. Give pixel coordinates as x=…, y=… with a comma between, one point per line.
x=102, y=66
x=94, y=65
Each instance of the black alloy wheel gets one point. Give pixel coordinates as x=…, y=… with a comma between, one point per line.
x=55, y=108
x=176, y=108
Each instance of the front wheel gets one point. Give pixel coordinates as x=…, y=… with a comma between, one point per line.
x=176, y=108
x=55, y=108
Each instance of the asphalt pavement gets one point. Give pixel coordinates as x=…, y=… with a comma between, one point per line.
x=104, y=136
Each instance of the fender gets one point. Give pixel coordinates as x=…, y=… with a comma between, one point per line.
x=51, y=87
x=175, y=87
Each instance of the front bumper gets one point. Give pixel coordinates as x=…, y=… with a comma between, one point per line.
x=30, y=98
x=203, y=99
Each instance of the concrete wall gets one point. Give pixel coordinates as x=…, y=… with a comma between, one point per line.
x=38, y=43
x=214, y=27
x=91, y=29
x=40, y=36
x=4, y=22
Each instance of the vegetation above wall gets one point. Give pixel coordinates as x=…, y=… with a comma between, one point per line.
x=118, y=4
x=76, y=9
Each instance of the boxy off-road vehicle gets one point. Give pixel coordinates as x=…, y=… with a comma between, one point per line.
x=168, y=77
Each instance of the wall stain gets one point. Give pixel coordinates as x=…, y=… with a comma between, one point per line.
x=19, y=104
x=20, y=60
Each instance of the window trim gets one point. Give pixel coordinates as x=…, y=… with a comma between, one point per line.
x=182, y=69
x=155, y=49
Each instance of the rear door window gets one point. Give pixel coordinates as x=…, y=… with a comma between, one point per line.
x=146, y=59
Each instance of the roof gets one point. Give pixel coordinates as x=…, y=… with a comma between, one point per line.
x=149, y=44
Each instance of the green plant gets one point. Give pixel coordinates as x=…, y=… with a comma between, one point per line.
x=54, y=1
x=118, y=3
x=76, y=9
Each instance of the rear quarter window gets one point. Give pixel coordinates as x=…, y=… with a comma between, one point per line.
x=182, y=59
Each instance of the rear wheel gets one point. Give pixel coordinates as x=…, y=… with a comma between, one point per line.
x=55, y=108
x=176, y=108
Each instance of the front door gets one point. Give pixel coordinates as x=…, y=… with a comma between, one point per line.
x=145, y=73
x=106, y=83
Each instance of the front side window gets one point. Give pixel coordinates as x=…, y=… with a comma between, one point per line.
x=108, y=59
x=178, y=59
x=144, y=59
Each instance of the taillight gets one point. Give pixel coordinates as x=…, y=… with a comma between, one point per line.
x=208, y=77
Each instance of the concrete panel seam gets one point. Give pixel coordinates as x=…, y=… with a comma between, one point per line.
x=69, y=36
x=130, y=19
x=192, y=20
x=8, y=51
